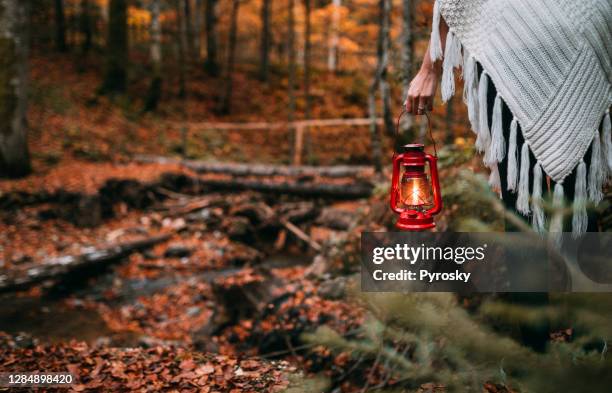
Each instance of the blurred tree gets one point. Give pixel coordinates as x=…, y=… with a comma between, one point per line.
x=115, y=77
x=85, y=26
x=264, y=61
x=211, y=65
x=307, y=70
x=181, y=43
x=408, y=8
x=407, y=43
x=382, y=53
x=156, y=80
x=291, y=58
x=189, y=38
x=197, y=28
x=307, y=59
x=384, y=42
x=14, y=41
x=60, y=26
x=332, y=55
x=226, y=101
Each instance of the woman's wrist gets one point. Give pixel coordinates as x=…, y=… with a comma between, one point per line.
x=429, y=67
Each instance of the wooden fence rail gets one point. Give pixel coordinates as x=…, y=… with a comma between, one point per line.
x=300, y=128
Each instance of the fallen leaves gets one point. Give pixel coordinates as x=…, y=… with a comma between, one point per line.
x=86, y=177
x=172, y=314
x=154, y=369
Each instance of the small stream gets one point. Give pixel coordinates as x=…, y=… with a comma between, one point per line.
x=51, y=320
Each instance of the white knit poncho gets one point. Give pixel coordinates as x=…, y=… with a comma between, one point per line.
x=550, y=61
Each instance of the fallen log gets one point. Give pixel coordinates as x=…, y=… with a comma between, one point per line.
x=326, y=190
x=298, y=212
x=294, y=229
x=239, y=169
x=299, y=233
x=238, y=296
x=28, y=275
x=192, y=205
x=277, y=170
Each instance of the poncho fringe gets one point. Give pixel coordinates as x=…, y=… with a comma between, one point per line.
x=559, y=94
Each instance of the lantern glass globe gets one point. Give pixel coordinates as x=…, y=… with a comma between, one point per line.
x=415, y=192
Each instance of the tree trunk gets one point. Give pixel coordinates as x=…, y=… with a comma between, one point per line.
x=226, y=102
x=60, y=26
x=197, y=29
x=182, y=47
x=353, y=190
x=211, y=65
x=291, y=59
x=85, y=25
x=378, y=82
x=407, y=44
x=332, y=55
x=307, y=59
x=26, y=276
x=156, y=37
x=307, y=69
x=407, y=56
x=383, y=56
x=264, y=170
x=115, y=78
x=264, y=62
x=188, y=22
x=374, y=134
x=14, y=41
x=156, y=79
x=296, y=133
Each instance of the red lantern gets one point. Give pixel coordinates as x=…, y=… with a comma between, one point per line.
x=413, y=197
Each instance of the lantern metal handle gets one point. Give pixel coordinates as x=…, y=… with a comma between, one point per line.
x=397, y=127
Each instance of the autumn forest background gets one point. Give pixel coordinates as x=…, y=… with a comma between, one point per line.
x=184, y=185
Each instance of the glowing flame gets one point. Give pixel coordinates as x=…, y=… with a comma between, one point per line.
x=415, y=192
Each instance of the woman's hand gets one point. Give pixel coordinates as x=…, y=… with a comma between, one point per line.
x=424, y=85
x=422, y=91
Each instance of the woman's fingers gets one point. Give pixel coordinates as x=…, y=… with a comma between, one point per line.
x=421, y=92
x=422, y=105
x=418, y=104
x=415, y=104
x=411, y=106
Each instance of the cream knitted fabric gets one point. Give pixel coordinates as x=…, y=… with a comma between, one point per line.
x=550, y=61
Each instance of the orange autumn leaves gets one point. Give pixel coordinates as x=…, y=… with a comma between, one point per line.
x=153, y=369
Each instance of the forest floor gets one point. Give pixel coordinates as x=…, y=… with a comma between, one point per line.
x=226, y=282
x=222, y=303
x=229, y=281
